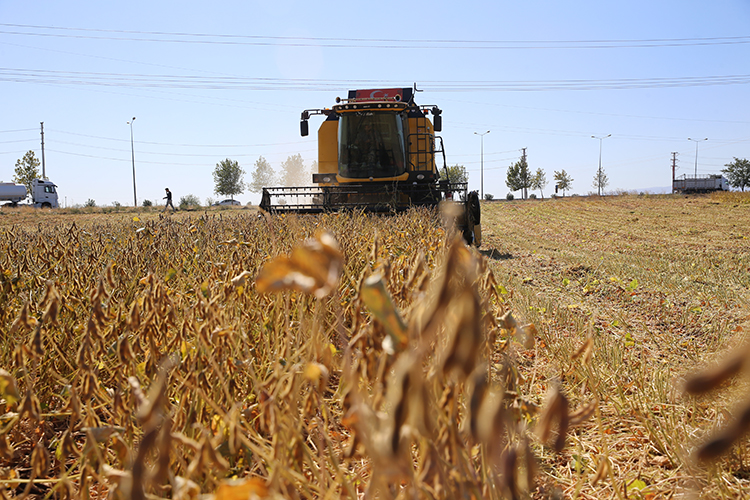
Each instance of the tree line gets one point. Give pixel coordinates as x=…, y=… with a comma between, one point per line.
x=229, y=175
x=520, y=178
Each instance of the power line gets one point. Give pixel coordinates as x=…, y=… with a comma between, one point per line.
x=186, y=145
x=384, y=43
x=170, y=154
x=22, y=75
x=596, y=113
x=17, y=130
x=158, y=162
x=486, y=154
x=18, y=140
x=127, y=159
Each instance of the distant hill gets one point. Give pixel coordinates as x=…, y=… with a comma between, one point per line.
x=656, y=190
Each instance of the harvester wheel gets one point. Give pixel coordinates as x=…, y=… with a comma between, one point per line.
x=473, y=230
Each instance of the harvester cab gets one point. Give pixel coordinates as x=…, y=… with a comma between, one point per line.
x=377, y=152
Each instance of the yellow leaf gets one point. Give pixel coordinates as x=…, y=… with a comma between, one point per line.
x=313, y=267
x=240, y=279
x=529, y=333
x=136, y=219
x=187, y=348
x=241, y=489
x=379, y=302
x=314, y=372
x=8, y=388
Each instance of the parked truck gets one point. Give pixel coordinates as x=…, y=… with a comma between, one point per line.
x=43, y=193
x=700, y=184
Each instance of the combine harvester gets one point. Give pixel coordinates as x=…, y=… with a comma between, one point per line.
x=377, y=152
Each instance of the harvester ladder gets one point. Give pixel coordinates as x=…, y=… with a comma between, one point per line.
x=424, y=146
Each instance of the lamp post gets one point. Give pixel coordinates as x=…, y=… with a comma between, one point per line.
x=696, y=141
x=132, y=156
x=481, y=159
x=599, y=172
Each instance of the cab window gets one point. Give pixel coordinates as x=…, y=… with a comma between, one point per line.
x=371, y=144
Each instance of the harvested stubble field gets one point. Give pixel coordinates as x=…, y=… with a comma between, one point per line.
x=233, y=354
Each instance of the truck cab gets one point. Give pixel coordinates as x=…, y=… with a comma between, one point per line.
x=44, y=194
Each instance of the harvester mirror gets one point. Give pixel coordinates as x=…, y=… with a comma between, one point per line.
x=438, y=125
x=438, y=120
x=303, y=128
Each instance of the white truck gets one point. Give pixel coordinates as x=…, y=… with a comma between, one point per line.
x=43, y=193
x=700, y=184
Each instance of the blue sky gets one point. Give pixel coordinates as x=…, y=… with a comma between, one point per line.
x=229, y=80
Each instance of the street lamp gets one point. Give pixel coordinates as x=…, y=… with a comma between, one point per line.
x=132, y=156
x=481, y=141
x=696, y=141
x=599, y=172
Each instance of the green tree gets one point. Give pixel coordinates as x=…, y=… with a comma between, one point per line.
x=27, y=169
x=228, y=178
x=294, y=173
x=457, y=173
x=738, y=173
x=539, y=181
x=563, y=180
x=519, y=177
x=600, y=181
x=189, y=200
x=263, y=176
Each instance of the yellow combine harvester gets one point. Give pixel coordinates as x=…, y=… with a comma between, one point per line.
x=377, y=152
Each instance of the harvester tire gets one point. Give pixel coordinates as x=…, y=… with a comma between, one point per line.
x=473, y=230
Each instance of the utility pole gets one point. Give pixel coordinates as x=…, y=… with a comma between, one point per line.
x=44, y=171
x=481, y=141
x=599, y=171
x=527, y=171
x=674, y=168
x=132, y=156
x=696, y=141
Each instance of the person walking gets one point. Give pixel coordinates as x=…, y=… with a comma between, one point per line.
x=169, y=200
